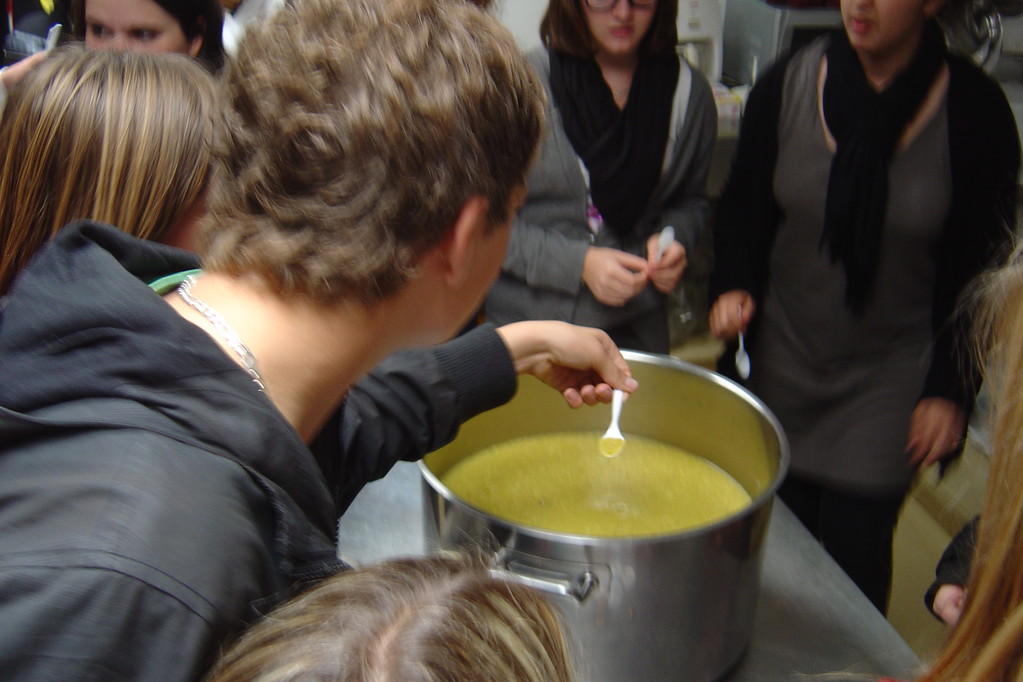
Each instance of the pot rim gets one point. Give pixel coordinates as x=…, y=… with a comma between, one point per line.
x=764, y=498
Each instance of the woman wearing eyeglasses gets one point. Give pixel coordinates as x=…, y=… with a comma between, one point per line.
x=626, y=154
x=875, y=176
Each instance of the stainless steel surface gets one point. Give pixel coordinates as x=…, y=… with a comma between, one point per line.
x=647, y=608
x=810, y=618
x=974, y=29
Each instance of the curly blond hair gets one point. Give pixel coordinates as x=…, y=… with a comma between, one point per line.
x=987, y=643
x=359, y=130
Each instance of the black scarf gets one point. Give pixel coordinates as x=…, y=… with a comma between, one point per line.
x=867, y=126
x=623, y=149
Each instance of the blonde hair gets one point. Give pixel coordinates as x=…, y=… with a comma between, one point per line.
x=431, y=619
x=987, y=643
x=115, y=137
x=360, y=129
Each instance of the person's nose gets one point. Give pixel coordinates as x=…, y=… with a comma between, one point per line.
x=119, y=42
x=622, y=9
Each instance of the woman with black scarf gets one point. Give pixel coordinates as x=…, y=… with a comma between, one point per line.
x=875, y=177
x=626, y=154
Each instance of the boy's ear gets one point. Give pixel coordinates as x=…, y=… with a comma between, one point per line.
x=195, y=44
x=469, y=226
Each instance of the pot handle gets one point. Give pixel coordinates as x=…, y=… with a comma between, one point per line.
x=550, y=577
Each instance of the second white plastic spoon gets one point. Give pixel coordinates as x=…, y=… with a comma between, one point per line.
x=742, y=365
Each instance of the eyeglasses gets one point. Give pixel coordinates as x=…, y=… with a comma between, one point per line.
x=606, y=5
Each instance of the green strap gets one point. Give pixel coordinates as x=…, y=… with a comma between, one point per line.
x=168, y=283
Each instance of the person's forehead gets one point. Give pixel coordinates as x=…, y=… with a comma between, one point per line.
x=127, y=12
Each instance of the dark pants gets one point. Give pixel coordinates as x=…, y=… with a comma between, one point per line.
x=856, y=530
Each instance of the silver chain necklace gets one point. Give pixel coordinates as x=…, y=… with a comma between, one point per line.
x=225, y=331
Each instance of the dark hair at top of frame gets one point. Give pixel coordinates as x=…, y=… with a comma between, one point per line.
x=564, y=29
x=196, y=17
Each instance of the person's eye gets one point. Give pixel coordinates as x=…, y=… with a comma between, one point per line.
x=98, y=31
x=143, y=35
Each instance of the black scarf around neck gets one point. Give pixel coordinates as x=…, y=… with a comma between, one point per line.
x=867, y=126
x=623, y=150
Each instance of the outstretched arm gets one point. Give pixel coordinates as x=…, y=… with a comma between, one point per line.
x=581, y=362
x=415, y=400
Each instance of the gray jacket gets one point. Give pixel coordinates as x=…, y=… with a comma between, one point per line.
x=542, y=273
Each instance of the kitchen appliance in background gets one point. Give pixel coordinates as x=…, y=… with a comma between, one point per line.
x=700, y=31
x=974, y=29
x=758, y=32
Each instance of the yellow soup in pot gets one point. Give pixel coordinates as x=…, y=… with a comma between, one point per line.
x=562, y=482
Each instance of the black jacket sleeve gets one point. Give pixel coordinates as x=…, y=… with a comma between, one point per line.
x=747, y=214
x=984, y=151
x=410, y=405
x=954, y=566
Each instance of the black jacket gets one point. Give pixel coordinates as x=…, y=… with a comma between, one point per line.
x=152, y=501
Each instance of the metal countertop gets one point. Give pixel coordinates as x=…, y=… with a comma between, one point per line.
x=811, y=619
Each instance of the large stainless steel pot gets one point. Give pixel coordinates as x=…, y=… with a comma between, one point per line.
x=670, y=607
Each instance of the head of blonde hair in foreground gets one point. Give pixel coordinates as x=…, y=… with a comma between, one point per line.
x=987, y=643
x=359, y=131
x=116, y=137
x=431, y=619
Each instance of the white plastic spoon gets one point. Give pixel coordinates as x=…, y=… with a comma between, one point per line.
x=612, y=442
x=741, y=356
x=664, y=241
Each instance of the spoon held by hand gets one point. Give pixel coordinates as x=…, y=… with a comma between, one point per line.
x=612, y=442
x=742, y=365
x=664, y=240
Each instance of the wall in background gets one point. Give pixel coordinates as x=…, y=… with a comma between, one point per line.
x=522, y=17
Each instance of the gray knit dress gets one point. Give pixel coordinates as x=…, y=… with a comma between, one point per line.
x=844, y=386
